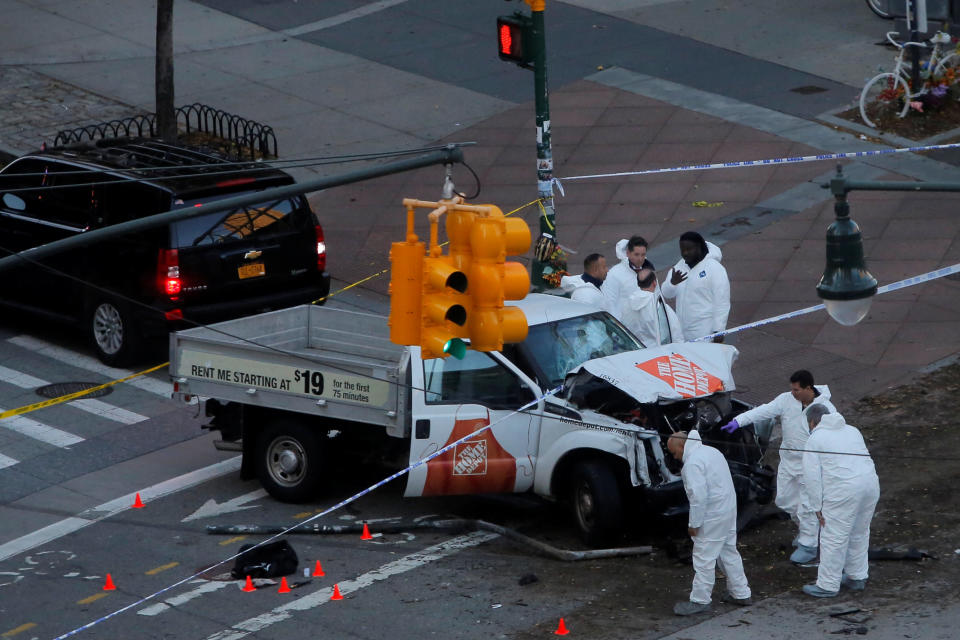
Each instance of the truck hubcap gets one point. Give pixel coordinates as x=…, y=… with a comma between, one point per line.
x=585, y=505
x=287, y=461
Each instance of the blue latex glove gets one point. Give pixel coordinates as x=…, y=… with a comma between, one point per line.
x=731, y=426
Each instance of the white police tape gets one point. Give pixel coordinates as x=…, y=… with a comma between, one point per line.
x=340, y=504
x=760, y=163
x=887, y=288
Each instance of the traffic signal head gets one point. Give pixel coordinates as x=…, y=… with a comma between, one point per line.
x=515, y=38
x=406, y=278
x=443, y=309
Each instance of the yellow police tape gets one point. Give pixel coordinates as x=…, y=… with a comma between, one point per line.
x=380, y=273
x=76, y=394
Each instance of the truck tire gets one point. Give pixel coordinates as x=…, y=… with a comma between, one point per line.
x=289, y=460
x=596, y=502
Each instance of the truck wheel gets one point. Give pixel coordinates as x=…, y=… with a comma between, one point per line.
x=112, y=331
x=290, y=461
x=597, y=505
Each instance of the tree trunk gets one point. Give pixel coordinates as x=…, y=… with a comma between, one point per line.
x=166, y=117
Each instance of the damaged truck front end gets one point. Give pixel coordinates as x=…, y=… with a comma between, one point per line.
x=661, y=391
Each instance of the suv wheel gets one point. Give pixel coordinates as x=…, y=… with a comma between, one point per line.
x=596, y=502
x=112, y=332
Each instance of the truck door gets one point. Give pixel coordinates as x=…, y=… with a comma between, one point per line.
x=454, y=398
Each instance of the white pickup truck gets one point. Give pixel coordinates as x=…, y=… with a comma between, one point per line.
x=292, y=388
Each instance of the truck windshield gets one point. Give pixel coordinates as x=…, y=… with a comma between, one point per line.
x=558, y=347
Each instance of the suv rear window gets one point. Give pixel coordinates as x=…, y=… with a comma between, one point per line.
x=256, y=221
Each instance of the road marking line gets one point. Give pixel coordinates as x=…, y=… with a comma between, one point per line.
x=163, y=567
x=113, y=507
x=81, y=361
x=90, y=405
x=302, y=515
x=183, y=598
x=341, y=18
x=322, y=596
x=20, y=629
x=39, y=431
x=6, y=461
x=224, y=543
x=93, y=598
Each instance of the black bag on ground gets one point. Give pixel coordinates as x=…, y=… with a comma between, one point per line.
x=267, y=561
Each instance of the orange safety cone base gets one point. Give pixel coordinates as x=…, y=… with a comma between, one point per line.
x=137, y=504
x=284, y=587
x=366, y=533
x=249, y=586
x=108, y=585
x=318, y=570
x=336, y=593
x=561, y=629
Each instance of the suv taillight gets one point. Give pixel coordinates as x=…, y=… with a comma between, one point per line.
x=321, y=250
x=168, y=273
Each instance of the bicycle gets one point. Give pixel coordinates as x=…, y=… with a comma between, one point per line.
x=879, y=7
x=888, y=95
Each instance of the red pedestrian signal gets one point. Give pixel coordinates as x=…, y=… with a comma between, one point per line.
x=515, y=38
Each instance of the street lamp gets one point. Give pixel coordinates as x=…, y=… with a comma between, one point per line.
x=847, y=288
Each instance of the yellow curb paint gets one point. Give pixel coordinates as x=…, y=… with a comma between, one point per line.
x=93, y=598
x=232, y=540
x=162, y=567
x=302, y=515
x=20, y=629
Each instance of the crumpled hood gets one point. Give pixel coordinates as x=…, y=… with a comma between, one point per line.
x=831, y=421
x=622, y=249
x=568, y=284
x=641, y=299
x=667, y=373
x=713, y=251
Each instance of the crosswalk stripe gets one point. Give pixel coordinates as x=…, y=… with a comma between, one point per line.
x=39, y=431
x=81, y=361
x=6, y=461
x=90, y=405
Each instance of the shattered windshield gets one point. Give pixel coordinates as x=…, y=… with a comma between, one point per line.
x=560, y=346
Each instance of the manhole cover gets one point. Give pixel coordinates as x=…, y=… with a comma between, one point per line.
x=58, y=389
x=808, y=89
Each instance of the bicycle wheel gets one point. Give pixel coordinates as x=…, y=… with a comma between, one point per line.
x=879, y=8
x=883, y=99
x=947, y=70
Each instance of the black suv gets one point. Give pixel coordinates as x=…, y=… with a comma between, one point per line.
x=124, y=290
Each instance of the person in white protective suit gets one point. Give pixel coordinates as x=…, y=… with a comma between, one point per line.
x=648, y=316
x=701, y=286
x=789, y=407
x=585, y=288
x=712, y=523
x=843, y=488
x=622, y=278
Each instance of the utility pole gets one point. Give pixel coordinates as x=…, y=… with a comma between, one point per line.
x=522, y=40
x=166, y=116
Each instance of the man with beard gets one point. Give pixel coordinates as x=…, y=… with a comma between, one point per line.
x=701, y=286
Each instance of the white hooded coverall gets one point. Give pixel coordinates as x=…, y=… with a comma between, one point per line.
x=651, y=319
x=790, y=478
x=621, y=281
x=582, y=291
x=845, y=489
x=713, y=511
x=703, y=299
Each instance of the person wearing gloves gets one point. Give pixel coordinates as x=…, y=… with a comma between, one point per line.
x=712, y=523
x=789, y=407
x=585, y=288
x=647, y=315
x=842, y=488
x=701, y=286
x=622, y=278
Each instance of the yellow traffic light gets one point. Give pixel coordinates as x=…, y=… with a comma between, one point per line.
x=442, y=309
x=493, y=280
x=406, y=278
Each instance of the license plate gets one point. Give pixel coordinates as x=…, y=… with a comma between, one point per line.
x=252, y=270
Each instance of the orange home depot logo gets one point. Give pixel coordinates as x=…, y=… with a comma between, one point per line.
x=687, y=378
x=478, y=465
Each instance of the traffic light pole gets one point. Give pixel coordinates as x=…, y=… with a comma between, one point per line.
x=544, y=147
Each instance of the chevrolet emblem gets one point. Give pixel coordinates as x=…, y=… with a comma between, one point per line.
x=252, y=255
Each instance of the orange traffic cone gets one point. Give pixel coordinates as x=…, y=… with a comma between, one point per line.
x=561, y=629
x=366, y=533
x=137, y=504
x=318, y=570
x=284, y=587
x=336, y=593
x=249, y=586
x=108, y=585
